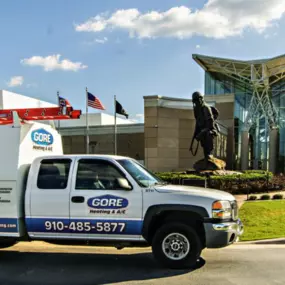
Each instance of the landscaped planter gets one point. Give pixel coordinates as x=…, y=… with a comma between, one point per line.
x=248, y=182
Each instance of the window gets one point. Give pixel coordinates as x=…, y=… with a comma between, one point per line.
x=142, y=176
x=95, y=174
x=53, y=174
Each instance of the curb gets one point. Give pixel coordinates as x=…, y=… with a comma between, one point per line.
x=264, y=241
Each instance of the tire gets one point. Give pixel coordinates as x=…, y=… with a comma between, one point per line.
x=182, y=236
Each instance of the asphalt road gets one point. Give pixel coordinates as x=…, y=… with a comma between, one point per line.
x=38, y=263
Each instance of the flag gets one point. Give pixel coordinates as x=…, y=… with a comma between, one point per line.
x=63, y=102
x=120, y=110
x=94, y=102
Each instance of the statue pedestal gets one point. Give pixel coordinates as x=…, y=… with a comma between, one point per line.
x=211, y=164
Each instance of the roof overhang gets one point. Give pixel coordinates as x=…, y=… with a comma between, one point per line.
x=272, y=68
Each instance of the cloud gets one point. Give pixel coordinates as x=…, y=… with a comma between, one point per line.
x=53, y=62
x=216, y=19
x=16, y=81
x=139, y=115
x=198, y=46
x=95, y=24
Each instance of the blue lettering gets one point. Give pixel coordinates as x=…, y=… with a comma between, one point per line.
x=42, y=137
x=81, y=226
x=108, y=202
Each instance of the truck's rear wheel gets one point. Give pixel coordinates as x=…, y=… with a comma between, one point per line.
x=176, y=246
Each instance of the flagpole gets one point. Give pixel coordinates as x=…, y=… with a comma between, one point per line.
x=58, y=121
x=115, y=126
x=87, y=126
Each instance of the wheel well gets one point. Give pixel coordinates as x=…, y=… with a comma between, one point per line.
x=187, y=217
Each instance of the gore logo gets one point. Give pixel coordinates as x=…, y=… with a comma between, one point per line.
x=107, y=202
x=42, y=137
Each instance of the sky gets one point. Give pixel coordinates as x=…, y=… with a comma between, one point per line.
x=128, y=48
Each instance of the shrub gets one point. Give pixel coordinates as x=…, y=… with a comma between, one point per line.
x=251, y=181
x=252, y=198
x=244, y=177
x=235, y=178
x=277, y=197
x=170, y=176
x=278, y=182
x=256, y=171
x=265, y=197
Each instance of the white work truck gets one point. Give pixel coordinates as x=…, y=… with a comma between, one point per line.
x=104, y=200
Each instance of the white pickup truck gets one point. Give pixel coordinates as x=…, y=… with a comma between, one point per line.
x=104, y=200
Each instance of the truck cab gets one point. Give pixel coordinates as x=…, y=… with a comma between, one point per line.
x=90, y=197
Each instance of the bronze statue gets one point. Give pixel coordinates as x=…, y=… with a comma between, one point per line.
x=206, y=128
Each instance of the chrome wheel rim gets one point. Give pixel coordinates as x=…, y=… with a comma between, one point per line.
x=176, y=246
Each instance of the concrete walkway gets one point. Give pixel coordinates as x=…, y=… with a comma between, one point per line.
x=264, y=241
x=242, y=198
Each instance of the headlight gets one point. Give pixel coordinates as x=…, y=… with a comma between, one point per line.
x=222, y=210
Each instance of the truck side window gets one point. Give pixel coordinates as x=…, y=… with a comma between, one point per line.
x=97, y=174
x=53, y=174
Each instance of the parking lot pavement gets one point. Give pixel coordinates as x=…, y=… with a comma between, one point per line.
x=39, y=263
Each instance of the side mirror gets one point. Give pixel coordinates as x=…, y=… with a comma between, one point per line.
x=124, y=184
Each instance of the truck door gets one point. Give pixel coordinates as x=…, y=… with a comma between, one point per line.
x=49, y=199
x=99, y=207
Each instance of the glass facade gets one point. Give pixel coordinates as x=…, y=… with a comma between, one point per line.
x=278, y=98
x=219, y=84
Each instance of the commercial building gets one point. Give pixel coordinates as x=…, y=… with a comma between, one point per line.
x=257, y=91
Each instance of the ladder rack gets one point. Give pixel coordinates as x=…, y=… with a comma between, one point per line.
x=39, y=114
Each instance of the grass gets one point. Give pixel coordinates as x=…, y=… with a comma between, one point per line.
x=263, y=220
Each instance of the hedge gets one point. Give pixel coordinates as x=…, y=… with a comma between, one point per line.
x=266, y=197
x=168, y=176
x=246, y=176
x=243, y=177
x=251, y=181
x=256, y=171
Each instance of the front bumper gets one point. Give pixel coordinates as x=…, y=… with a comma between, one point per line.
x=222, y=234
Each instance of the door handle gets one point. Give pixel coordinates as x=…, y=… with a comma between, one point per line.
x=77, y=199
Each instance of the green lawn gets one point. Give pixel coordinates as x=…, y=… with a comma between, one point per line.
x=263, y=220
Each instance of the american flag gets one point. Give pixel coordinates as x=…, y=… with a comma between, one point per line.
x=94, y=102
x=63, y=102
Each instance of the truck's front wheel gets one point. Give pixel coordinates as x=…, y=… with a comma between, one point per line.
x=176, y=246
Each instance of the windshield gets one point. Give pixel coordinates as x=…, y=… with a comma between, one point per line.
x=143, y=177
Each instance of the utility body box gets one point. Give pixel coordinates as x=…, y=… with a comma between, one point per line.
x=19, y=146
